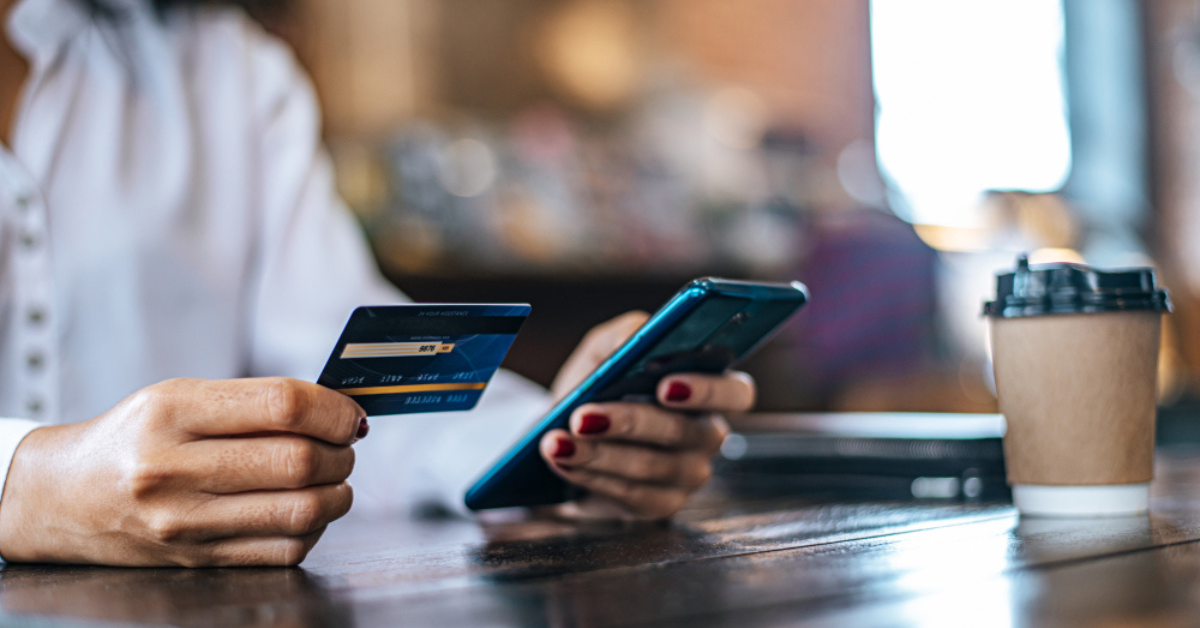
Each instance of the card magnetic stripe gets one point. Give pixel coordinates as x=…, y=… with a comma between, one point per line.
x=414, y=388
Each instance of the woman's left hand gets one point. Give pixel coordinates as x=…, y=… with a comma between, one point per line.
x=641, y=460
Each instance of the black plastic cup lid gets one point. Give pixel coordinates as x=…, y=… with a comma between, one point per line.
x=1074, y=289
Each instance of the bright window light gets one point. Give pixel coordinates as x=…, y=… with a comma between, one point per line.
x=970, y=99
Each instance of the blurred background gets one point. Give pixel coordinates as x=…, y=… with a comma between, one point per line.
x=591, y=156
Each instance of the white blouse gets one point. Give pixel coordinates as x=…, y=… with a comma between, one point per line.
x=167, y=211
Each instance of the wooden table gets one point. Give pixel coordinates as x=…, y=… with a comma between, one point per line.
x=772, y=560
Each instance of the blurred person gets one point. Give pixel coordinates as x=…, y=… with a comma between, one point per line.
x=873, y=329
x=167, y=212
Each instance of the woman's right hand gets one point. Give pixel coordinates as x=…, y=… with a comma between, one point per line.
x=188, y=473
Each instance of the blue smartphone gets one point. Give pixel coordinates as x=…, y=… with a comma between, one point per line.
x=707, y=327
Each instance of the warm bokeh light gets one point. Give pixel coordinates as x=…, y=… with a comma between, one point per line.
x=955, y=239
x=1055, y=256
x=590, y=50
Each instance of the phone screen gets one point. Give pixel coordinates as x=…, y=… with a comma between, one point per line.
x=710, y=339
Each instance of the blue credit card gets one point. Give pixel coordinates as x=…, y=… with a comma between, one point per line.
x=400, y=359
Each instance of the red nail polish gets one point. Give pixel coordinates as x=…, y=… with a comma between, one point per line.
x=678, y=391
x=363, y=428
x=564, y=448
x=594, y=423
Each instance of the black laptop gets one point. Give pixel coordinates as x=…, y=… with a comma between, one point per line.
x=928, y=455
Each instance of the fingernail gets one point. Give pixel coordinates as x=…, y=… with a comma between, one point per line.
x=594, y=423
x=564, y=448
x=363, y=428
x=678, y=391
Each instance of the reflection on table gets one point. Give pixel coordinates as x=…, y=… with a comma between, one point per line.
x=800, y=555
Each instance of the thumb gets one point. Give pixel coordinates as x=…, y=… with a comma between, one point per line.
x=597, y=345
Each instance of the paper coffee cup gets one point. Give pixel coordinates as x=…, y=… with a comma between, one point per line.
x=1075, y=353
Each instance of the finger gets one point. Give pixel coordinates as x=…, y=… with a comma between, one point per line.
x=605, y=338
x=257, y=514
x=731, y=392
x=258, y=552
x=557, y=445
x=650, y=501
x=647, y=424
x=235, y=465
x=687, y=470
x=247, y=406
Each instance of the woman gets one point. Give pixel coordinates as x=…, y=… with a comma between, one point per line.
x=167, y=212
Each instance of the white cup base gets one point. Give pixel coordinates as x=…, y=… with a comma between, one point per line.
x=1116, y=500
